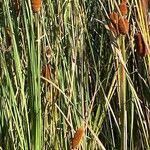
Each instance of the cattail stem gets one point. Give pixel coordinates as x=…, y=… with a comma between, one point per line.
x=123, y=98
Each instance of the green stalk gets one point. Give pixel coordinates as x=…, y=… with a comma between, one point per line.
x=38, y=137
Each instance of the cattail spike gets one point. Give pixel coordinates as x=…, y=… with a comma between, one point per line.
x=140, y=45
x=76, y=141
x=123, y=8
x=36, y=5
x=123, y=25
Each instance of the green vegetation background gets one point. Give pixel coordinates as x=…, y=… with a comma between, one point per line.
x=62, y=68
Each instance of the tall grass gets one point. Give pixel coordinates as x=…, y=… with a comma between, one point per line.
x=62, y=69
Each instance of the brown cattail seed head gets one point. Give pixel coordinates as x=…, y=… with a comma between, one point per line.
x=123, y=8
x=36, y=5
x=77, y=138
x=113, y=18
x=140, y=45
x=123, y=26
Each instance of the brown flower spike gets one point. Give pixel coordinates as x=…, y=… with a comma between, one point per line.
x=113, y=18
x=36, y=5
x=113, y=25
x=123, y=26
x=140, y=45
x=123, y=8
x=77, y=138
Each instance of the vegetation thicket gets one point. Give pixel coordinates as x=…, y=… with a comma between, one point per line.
x=74, y=74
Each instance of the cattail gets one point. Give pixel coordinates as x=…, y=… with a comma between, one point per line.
x=114, y=18
x=123, y=26
x=140, y=45
x=77, y=138
x=113, y=26
x=123, y=8
x=46, y=71
x=36, y=5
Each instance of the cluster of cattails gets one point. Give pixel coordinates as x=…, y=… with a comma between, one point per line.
x=119, y=24
x=36, y=5
x=76, y=141
x=140, y=44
